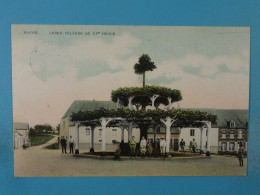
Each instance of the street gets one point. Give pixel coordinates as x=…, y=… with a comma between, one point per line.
x=39, y=162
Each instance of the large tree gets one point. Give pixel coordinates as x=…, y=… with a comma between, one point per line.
x=144, y=64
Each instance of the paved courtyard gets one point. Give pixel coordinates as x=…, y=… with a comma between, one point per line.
x=39, y=162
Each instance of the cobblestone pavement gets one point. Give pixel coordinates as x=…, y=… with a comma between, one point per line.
x=39, y=162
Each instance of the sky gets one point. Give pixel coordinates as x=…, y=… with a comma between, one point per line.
x=53, y=65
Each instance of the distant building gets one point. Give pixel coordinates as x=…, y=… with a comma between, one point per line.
x=21, y=134
x=233, y=131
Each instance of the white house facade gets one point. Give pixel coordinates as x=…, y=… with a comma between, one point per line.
x=114, y=135
x=21, y=134
x=86, y=134
x=200, y=136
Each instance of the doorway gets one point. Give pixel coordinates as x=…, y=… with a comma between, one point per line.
x=176, y=145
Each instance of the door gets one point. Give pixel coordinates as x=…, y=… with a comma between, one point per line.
x=176, y=145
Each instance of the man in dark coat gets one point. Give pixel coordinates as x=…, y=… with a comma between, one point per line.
x=240, y=154
x=63, y=143
x=182, y=145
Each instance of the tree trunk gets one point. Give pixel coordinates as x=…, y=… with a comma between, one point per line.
x=143, y=79
x=143, y=131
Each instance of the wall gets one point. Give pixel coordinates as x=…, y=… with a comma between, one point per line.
x=85, y=140
x=162, y=135
x=185, y=135
x=227, y=140
x=64, y=127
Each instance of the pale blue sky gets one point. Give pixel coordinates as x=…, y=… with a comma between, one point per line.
x=210, y=65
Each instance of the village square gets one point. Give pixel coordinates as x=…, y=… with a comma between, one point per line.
x=134, y=102
x=92, y=133
x=39, y=162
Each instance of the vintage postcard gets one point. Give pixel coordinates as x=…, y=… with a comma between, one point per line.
x=130, y=100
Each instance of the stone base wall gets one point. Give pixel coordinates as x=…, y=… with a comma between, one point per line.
x=97, y=147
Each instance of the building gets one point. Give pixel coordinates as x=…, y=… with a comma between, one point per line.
x=160, y=133
x=225, y=136
x=113, y=134
x=233, y=131
x=200, y=136
x=21, y=134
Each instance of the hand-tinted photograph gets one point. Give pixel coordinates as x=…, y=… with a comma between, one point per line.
x=130, y=100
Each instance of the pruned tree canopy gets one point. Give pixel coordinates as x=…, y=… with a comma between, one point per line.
x=143, y=94
x=144, y=64
x=184, y=118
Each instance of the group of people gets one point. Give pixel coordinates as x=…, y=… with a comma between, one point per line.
x=63, y=143
x=193, y=146
x=145, y=148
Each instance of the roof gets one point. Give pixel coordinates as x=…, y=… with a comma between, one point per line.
x=88, y=105
x=21, y=126
x=224, y=116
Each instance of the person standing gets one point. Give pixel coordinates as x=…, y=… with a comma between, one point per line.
x=132, y=145
x=143, y=147
x=194, y=146
x=71, y=141
x=117, y=152
x=162, y=146
x=150, y=148
x=240, y=154
x=63, y=144
x=182, y=145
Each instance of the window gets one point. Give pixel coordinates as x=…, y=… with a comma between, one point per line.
x=231, y=135
x=87, y=131
x=100, y=140
x=231, y=146
x=206, y=132
x=114, y=132
x=223, y=134
x=232, y=124
x=192, y=132
x=240, y=134
x=100, y=131
x=223, y=146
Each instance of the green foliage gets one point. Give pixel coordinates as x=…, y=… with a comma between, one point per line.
x=184, y=118
x=40, y=139
x=32, y=132
x=39, y=129
x=143, y=94
x=144, y=64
